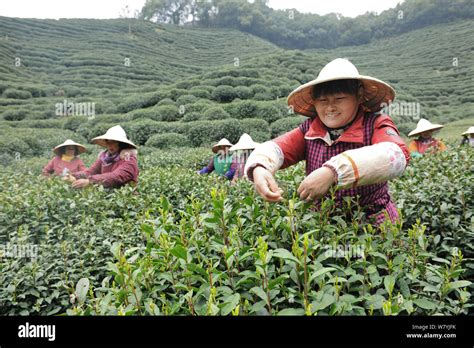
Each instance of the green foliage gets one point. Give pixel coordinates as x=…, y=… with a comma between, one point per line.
x=199, y=92
x=166, y=101
x=16, y=94
x=286, y=124
x=448, y=210
x=215, y=113
x=14, y=115
x=258, y=129
x=223, y=94
x=186, y=99
x=208, y=132
x=34, y=141
x=243, y=92
x=167, y=140
x=192, y=116
x=205, y=247
x=304, y=30
x=167, y=113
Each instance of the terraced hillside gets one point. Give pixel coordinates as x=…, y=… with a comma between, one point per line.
x=213, y=83
x=86, y=52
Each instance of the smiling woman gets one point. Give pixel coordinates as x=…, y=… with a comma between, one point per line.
x=346, y=143
x=336, y=102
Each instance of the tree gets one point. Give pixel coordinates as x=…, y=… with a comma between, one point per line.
x=167, y=11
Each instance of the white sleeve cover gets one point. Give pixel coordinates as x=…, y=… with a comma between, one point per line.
x=268, y=155
x=368, y=165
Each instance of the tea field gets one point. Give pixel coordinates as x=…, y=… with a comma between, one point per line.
x=195, y=245
x=190, y=87
x=184, y=244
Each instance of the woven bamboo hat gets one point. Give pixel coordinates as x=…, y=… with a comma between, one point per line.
x=115, y=133
x=222, y=143
x=69, y=142
x=245, y=143
x=376, y=92
x=424, y=126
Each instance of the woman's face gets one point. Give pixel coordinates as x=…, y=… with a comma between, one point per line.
x=426, y=135
x=112, y=146
x=336, y=110
x=70, y=150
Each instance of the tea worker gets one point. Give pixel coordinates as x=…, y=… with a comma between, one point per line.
x=425, y=143
x=345, y=142
x=241, y=152
x=115, y=166
x=468, y=137
x=66, y=160
x=221, y=162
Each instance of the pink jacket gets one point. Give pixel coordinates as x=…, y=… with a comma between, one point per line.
x=57, y=165
x=116, y=174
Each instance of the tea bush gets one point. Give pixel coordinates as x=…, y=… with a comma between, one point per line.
x=167, y=140
x=195, y=245
x=286, y=124
x=215, y=113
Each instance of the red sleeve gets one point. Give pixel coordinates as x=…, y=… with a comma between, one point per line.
x=94, y=169
x=80, y=166
x=293, y=146
x=385, y=130
x=49, y=168
x=124, y=173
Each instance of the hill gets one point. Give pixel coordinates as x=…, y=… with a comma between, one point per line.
x=91, y=54
x=228, y=86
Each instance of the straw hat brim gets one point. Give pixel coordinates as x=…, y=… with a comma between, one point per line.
x=469, y=131
x=426, y=129
x=100, y=140
x=81, y=148
x=376, y=93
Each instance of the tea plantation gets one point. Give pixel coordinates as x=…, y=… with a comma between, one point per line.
x=187, y=244
x=199, y=82
x=183, y=244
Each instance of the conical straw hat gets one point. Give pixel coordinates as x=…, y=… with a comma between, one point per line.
x=245, y=143
x=376, y=92
x=115, y=133
x=470, y=130
x=424, y=126
x=222, y=143
x=68, y=142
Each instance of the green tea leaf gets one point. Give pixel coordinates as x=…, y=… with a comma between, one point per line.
x=179, y=251
x=459, y=284
x=320, y=272
x=292, y=311
x=286, y=255
x=425, y=303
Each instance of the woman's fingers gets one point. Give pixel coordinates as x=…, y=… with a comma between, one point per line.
x=266, y=186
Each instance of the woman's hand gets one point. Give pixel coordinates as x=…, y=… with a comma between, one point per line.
x=81, y=183
x=317, y=184
x=69, y=178
x=266, y=186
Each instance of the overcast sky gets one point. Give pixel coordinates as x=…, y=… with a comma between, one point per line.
x=112, y=8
